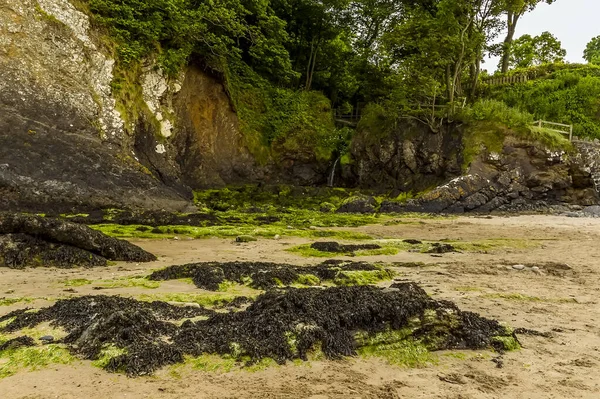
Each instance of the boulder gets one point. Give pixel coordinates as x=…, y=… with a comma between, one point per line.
x=27, y=240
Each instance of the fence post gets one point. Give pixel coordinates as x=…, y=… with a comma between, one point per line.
x=540, y=123
x=571, y=133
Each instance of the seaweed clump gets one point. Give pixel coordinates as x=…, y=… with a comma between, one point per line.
x=261, y=275
x=336, y=247
x=281, y=325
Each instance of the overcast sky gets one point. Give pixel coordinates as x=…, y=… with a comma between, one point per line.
x=573, y=22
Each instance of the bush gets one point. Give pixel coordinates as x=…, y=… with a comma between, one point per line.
x=497, y=111
x=276, y=121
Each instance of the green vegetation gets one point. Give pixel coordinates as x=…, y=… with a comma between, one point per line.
x=508, y=343
x=491, y=121
x=228, y=231
x=395, y=246
x=14, y=360
x=227, y=293
x=106, y=354
x=308, y=279
x=128, y=282
x=77, y=282
x=287, y=66
x=359, y=277
x=527, y=51
x=12, y=301
x=566, y=94
x=396, y=347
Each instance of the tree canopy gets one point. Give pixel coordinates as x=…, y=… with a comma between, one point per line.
x=527, y=51
x=592, y=51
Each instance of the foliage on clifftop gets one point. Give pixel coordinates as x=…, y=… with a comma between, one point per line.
x=560, y=93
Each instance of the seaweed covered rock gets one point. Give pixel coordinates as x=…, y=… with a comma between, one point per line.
x=265, y=275
x=281, y=325
x=332, y=246
x=146, y=218
x=358, y=204
x=27, y=240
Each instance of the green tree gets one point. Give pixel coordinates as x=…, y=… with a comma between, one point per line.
x=514, y=10
x=592, y=51
x=530, y=51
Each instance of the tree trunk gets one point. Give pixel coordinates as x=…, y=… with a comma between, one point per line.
x=310, y=59
x=513, y=18
x=312, y=68
x=475, y=74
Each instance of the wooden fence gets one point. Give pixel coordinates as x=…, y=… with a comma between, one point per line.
x=556, y=127
x=505, y=80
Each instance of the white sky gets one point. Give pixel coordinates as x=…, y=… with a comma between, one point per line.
x=573, y=22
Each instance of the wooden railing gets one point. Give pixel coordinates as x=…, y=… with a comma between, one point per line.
x=505, y=80
x=562, y=128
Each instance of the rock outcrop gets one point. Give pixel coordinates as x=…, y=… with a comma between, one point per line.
x=412, y=158
x=522, y=177
x=39, y=241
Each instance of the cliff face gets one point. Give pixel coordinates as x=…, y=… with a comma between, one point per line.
x=210, y=148
x=512, y=174
x=412, y=158
x=67, y=143
x=62, y=142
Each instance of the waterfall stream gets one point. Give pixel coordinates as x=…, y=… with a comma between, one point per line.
x=332, y=175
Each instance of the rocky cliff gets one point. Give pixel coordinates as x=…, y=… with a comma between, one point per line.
x=513, y=174
x=76, y=134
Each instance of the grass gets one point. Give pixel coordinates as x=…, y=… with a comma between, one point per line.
x=212, y=299
x=32, y=358
x=508, y=343
x=396, y=347
x=493, y=244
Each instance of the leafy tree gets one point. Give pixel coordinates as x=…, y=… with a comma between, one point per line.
x=592, y=51
x=530, y=51
x=514, y=10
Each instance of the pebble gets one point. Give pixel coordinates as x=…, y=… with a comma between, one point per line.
x=47, y=339
x=518, y=267
x=277, y=237
x=290, y=227
x=313, y=227
x=535, y=269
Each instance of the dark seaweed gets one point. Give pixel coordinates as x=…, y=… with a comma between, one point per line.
x=263, y=275
x=281, y=324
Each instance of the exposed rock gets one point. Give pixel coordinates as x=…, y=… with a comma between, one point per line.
x=411, y=158
x=524, y=178
x=63, y=144
x=38, y=241
x=440, y=248
x=358, y=204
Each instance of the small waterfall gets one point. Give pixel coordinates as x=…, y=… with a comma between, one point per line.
x=332, y=175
